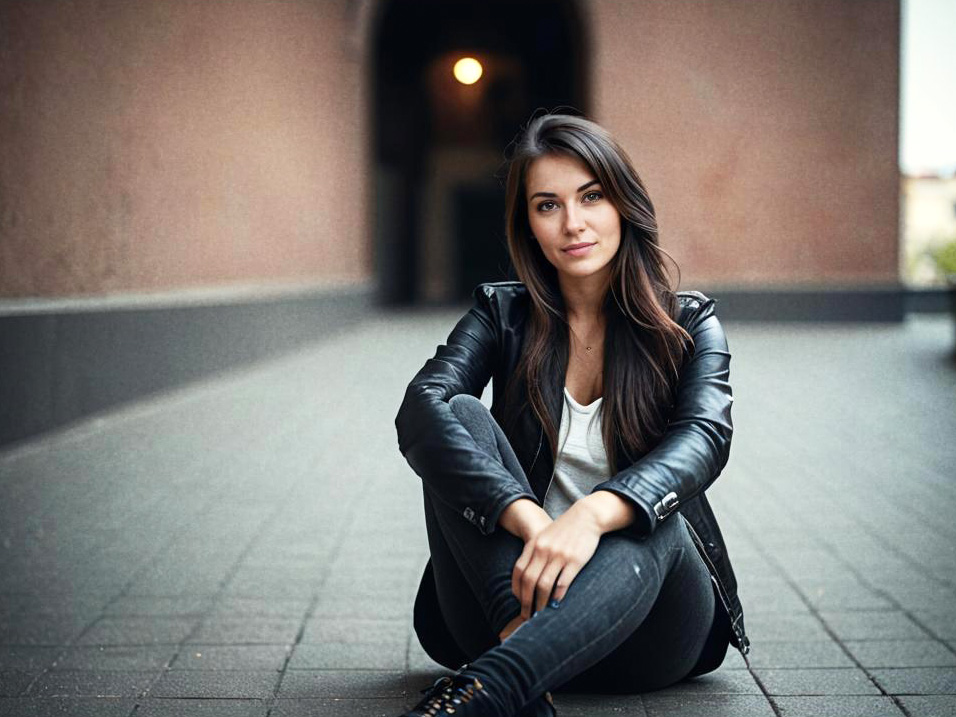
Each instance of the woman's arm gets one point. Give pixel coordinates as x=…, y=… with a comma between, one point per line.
x=696, y=445
x=435, y=443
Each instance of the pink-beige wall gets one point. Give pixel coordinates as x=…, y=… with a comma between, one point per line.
x=165, y=144
x=765, y=131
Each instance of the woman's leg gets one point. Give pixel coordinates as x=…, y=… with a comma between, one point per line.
x=613, y=596
x=473, y=579
x=665, y=646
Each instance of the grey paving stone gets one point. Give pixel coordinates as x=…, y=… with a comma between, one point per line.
x=28, y=659
x=733, y=660
x=837, y=706
x=256, y=589
x=232, y=657
x=930, y=596
x=139, y=631
x=873, y=625
x=196, y=470
x=342, y=684
x=722, y=682
x=941, y=623
x=231, y=606
x=281, y=583
x=14, y=682
x=930, y=705
x=902, y=653
x=66, y=707
x=842, y=681
x=843, y=595
x=92, y=684
x=163, y=707
x=658, y=705
x=325, y=628
x=338, y=708
x=123, y=658
x=348, y=655
x=219, y=684
x=150, y=606
x=591, y=705
x=361, y=607
x=246, y=631
x=785, y=627
x=917, y=680
x=41, y=630
x=80, y=608
x=814, y=654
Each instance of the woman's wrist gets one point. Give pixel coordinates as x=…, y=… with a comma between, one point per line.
x=523, y=518
x=608, y=510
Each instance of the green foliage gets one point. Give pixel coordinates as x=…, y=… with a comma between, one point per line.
x=945, y=258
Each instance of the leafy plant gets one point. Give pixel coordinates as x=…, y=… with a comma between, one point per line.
x=945, y=258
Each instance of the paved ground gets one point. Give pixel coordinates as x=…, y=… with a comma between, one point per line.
x=251, y=545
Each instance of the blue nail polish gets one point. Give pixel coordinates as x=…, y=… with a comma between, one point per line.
x=555, y=604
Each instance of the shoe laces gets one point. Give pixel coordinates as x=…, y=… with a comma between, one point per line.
x=447, y=694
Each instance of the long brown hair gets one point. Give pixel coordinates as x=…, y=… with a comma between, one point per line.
x=644, y=347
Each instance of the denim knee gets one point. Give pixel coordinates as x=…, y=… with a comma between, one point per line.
x=464, y=404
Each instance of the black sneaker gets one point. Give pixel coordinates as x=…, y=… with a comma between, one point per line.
x=458, y=695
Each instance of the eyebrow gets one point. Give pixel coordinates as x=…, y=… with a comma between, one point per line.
x=552, y=194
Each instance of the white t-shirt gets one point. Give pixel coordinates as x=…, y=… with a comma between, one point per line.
x=582, y=459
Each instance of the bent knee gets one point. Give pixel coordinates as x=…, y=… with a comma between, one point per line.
x=465, y=407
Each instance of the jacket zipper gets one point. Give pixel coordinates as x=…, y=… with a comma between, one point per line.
x=721, y=592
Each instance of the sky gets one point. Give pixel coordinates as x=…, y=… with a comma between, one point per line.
x=928, y=87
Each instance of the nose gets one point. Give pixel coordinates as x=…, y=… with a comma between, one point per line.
x=573, y=220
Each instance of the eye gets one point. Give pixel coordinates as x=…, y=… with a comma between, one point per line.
x=546, y=206
x=593, y=196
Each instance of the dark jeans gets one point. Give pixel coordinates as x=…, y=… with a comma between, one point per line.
x=634, y=619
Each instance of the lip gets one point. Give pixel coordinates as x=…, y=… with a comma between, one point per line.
x=578, y=249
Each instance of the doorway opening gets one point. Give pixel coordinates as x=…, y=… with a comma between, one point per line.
x=440, y=141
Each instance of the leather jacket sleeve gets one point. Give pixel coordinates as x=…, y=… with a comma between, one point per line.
x=432, y=439
x=696, y=444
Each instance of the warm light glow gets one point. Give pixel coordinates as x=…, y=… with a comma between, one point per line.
x=467, y=70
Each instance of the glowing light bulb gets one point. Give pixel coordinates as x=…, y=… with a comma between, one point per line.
x=467, y=70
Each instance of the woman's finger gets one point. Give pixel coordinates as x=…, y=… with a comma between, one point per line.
x=521, y=565
x=564, y=581
x=546, y=583
x=529, y=581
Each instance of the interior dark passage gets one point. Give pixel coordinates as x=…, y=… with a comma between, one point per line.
x=440, y=144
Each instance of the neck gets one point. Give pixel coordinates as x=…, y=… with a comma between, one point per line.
x=584, y=296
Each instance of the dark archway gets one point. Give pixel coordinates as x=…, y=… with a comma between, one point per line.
x=439, y=144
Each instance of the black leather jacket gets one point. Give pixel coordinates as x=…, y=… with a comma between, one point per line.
x=671, y=477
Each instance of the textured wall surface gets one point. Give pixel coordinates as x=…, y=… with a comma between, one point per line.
x=157, y=145
x=162, y=145
x=765, y=131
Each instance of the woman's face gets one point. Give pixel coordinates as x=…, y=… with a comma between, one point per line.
x=576, y=226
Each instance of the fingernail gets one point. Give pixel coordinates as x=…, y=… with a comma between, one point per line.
x=555, y=604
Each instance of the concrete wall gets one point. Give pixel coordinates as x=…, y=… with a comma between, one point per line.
x=161, y=145
x=765, y=131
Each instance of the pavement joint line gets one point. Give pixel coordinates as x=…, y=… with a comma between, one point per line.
x=222, y=586
x=892, y=600
x=878, y=537
x=772, y=559
x=876, y=589
x=210, y=504
x=313, y=603
x=811, y=560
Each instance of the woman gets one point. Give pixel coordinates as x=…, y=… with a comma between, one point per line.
x=571, y=543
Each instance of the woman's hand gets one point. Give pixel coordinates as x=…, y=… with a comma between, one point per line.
x=554, y=555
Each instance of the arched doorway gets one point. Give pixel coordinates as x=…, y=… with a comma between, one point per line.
x=439, y=144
